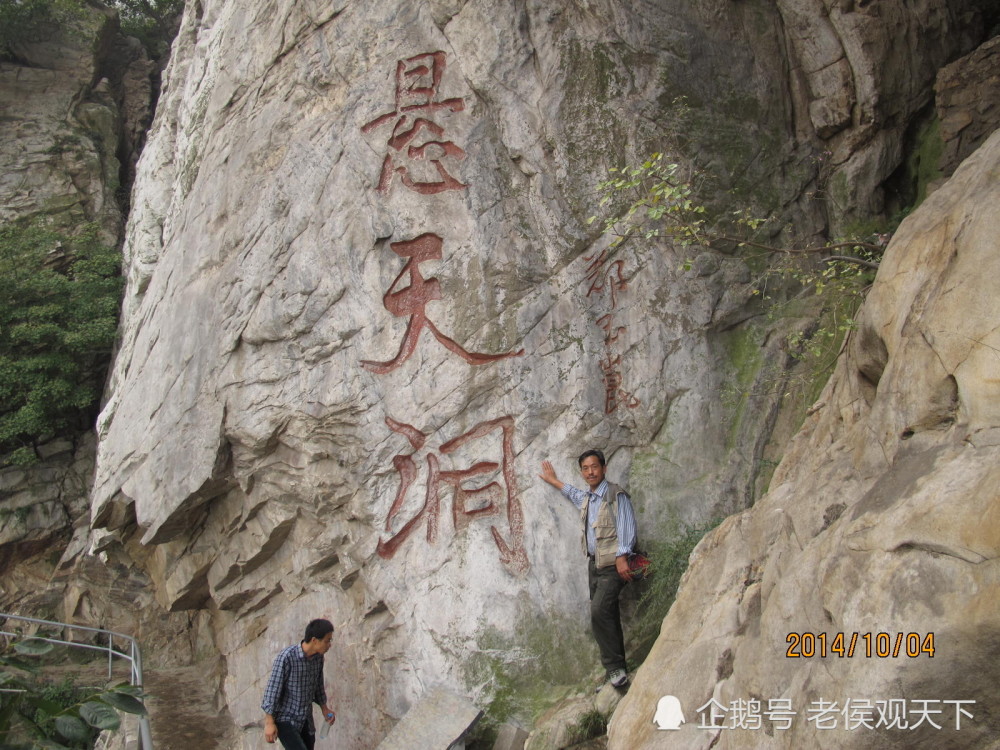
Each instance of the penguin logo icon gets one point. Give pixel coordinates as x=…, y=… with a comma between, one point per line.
x=668, y=713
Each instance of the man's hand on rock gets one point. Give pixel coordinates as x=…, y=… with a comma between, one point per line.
x=549, y=475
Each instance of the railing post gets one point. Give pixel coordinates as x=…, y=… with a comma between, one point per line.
x=134, y=657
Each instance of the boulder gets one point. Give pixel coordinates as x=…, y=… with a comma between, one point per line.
x=852, y=604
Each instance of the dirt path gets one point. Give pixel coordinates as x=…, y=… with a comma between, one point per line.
x=182, y=704
x=183, y=710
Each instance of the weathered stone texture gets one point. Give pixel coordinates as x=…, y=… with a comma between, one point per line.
x=882, y=517
x=968, y=103
x=65, y=101
x=327, y=306
x=868, y=69
x=57, y=154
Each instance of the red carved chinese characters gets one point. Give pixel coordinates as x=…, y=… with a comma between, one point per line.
x=601, y=276
x=421, y=154
x=610, y=279
x=614, y=393
x=411, y=301
x=489, y=501
x=415, y=137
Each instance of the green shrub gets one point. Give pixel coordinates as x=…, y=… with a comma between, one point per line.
x=592, y=724
x=58, y=697
x=59, y=300
x=669, y=556
x=32, y=20
x=152, y=22
x=38, y=714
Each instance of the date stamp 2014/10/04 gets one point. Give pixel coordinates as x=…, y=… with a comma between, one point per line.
x=807, y=645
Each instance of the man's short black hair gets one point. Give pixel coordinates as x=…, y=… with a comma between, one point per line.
x=588, y=454
x=317, y=629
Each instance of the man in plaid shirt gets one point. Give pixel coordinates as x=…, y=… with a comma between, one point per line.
x=296, y=683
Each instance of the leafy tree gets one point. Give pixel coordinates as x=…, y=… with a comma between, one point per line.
x=153, y=22
x=32, y=20
x=34, y=715
x=59, y=300
x=660, y=199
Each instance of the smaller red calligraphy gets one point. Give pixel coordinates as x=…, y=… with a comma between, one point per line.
x=603, y=276
x=614, y=394
x=607, y=277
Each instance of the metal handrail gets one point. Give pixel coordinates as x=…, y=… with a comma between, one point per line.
x=133, y=657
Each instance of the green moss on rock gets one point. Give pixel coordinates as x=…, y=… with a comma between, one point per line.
x=522, y=674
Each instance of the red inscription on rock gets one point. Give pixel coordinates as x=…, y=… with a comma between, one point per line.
x=609, y=279
x=416, y=137
x=411, y=301
x=497, y=498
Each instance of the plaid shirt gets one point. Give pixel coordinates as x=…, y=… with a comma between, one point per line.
x=296, y=682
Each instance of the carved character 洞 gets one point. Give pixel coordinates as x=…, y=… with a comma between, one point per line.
x=469, y=503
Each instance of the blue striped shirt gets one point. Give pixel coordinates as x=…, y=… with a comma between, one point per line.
x=296, y=682
x=624, y=523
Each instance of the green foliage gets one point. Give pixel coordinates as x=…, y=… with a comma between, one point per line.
x=660, y=203
x=33, y=20
x=592, y=724
x=59, y=299
x=660, y=199
x=669, y=556
x=35, y=713
x=152, y=22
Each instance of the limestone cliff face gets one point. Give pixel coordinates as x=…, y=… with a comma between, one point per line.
x=882, y=518
x=66, y=100
x=364, y=304
x=63, y=107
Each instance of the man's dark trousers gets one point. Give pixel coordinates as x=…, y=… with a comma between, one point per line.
x=292, y=738
x=605, y=615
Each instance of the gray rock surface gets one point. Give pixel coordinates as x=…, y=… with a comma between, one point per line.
x=968, y=103
x=364, y=303
x=67, y=101
x=440, y=718
x=881, y=519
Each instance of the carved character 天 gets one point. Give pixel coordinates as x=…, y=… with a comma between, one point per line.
x=411, y=301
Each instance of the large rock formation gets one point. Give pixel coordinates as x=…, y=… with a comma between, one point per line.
x=74, y=100
x=882, y=519
x=62, y=104
x=68, y=95
x=363, y=304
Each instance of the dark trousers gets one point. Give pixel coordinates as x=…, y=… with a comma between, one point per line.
x=605, y=615
x=293, y=738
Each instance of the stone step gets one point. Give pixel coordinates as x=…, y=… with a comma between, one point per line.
x=440, y=720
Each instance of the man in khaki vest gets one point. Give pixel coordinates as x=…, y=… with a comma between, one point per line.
x=608, y=522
